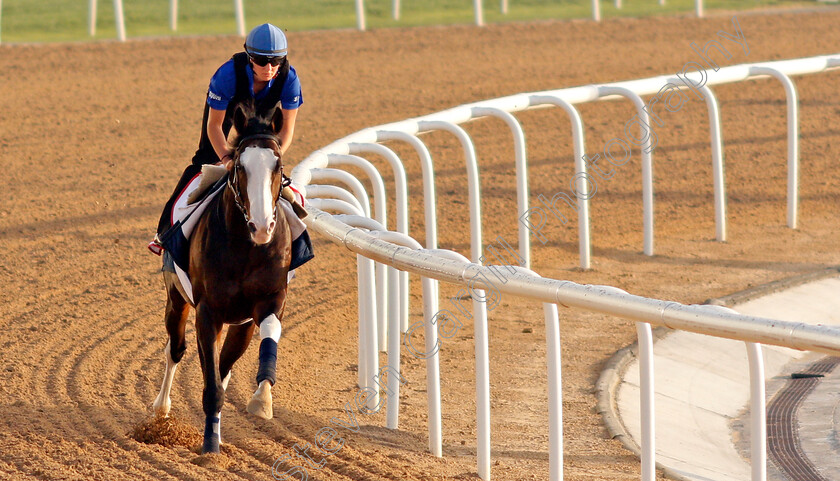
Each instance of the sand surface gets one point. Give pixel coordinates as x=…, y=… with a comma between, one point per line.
x=94, y=136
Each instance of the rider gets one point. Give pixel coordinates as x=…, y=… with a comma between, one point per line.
x=261, y=74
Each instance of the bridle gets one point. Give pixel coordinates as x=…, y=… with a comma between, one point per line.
x=233, y=179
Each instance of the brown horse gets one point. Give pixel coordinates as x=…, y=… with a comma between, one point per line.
x=238, y=265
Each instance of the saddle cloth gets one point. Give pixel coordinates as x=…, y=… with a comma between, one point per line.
x=192, y=202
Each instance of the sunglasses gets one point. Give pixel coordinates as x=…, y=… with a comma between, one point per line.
x=262, y=60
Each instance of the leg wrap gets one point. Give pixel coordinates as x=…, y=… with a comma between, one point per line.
x=211, y=435
x=269, y=333
x=268, y=361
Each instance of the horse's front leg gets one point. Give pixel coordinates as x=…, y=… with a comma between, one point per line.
x=235, y=345
x=207, y=333
x=260, y=404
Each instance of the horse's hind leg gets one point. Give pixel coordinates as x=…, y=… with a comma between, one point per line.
x=260, y=404
x=208, y=333
x=236, y=342
x=176, y=318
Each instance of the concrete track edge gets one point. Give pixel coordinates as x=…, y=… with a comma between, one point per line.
x=611, y=375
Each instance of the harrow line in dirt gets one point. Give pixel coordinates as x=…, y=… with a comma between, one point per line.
x=111, y=219
x=62, y=358
x=349, y=458
x=236, y=420
x=50, y=351
x=80, y=287
x=113, y=428
x=193, y=412
x=93, y=423
x=233, y=419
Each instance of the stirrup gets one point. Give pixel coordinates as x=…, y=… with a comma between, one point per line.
x=155, y=247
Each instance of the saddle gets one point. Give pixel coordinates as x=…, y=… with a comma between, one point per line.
x=210, y=174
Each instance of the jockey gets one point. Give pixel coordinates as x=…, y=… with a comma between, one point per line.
x=262, y=75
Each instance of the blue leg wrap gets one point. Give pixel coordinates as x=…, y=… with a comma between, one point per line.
x=211, y=435
x=268, y=361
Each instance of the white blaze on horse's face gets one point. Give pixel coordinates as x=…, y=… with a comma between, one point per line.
x=259, y=164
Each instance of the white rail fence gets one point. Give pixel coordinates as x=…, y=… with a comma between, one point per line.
x=119, y=17
x=383, y=317
x=361, y=22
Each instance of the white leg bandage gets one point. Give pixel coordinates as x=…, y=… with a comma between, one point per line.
x=269, y=333
x=270, y=328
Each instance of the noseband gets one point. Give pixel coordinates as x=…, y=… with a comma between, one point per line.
x=233, y=180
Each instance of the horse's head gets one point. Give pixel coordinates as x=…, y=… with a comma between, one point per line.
x=257, y=173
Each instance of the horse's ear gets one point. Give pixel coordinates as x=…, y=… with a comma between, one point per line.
x=277, y=120
x=240, y=119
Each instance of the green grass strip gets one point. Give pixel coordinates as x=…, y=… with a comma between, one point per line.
x=28, y=21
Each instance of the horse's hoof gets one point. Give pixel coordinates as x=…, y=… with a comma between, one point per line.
x=211, y=444
x=161, y=407
x=260, y=404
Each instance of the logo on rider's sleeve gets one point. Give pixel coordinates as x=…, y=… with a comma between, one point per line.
x=213, y=96
x=295, y=99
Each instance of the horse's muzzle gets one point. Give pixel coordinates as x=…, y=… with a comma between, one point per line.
x=262, y=235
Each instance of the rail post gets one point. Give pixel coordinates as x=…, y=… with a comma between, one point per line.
x=120, y=20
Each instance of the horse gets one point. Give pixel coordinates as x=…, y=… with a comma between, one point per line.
x=239, y=257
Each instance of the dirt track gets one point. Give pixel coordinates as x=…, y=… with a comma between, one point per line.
x=93, y=137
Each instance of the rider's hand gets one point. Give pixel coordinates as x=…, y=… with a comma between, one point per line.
x=227, y=161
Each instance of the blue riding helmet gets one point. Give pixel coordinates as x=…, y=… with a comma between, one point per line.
x=266, y=40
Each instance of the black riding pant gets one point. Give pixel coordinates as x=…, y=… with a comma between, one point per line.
x=165, y=221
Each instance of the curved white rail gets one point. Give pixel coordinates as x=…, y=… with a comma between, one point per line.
x=381, y=216
x=431, y=263
x=401, y=187
x=472, y=179
x=701, y=319
x=647, y=159
x=379, y=200
x=330, y=191
x=579, y=142
x=793, y=138
x=407, y=129
x=521, y=174
x=358, y=189
x=427, y=169
x=366, y=280
x=717, y=163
